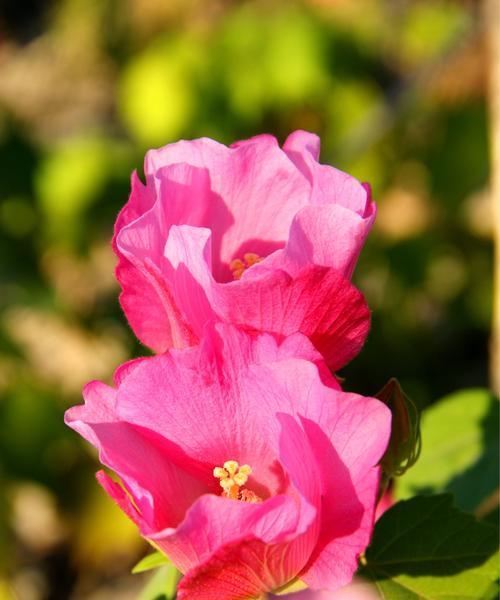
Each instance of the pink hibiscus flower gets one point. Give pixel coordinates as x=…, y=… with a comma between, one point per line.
x=252, y=234
x=242, y=460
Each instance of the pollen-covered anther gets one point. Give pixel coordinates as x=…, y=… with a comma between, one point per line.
x=232, y=478
x=220, y=473
x=238, y=266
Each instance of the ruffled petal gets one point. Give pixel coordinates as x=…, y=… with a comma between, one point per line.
x=188, y=252
x=259, y=187
x=329, y=185
x=266, y=557
x=147, y=297
x=214, y=522
x=351, y=436
x=347, y=432
x=318, y=302
x=333, y=228
x=329, y=235
x=193, y=400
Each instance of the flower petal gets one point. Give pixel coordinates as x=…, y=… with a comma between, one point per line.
x=333, y=228
x=116, y=441
x=329, y=235
x=260, y=188
x=142, y=270
x=266, y=557
x=358, y=431
x=214, y=521
x=188, y=252
x=240, y=571
x=318, y=302
x=349, y=433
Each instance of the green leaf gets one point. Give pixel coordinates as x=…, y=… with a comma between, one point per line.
x=459, y=450
x=151, y=561
x=163, y=584
x=426, y=548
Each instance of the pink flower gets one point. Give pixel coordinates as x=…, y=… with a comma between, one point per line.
x=255, y=235
x=242, y=460
x=357, y=590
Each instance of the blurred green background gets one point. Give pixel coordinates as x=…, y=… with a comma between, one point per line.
x=396, y=89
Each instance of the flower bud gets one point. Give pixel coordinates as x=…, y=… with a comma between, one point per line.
x=405, y=442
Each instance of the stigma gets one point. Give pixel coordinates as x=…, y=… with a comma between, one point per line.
x=232, y=477
x=238, y=266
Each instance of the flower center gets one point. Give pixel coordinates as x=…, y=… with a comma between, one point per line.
x=232, y=478
x=238, y=266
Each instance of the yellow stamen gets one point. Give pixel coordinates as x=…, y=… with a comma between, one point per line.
x=231, y=467
x=240, y=479
x=232, y=478
x=238, y=266
x=220, y=473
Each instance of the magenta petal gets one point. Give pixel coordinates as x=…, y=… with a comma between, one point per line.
x=188, y=252
x=300, y=143
x=239, y=572
x=318, y=302
x=122, y=498
x=162, y=505
x=358, y=430
x=151, y=309
x=262, y=400
x=329, y=235
x=147, y=298
x=141, y=199
x=223, y=522
x=255, y=187
x=258, y=559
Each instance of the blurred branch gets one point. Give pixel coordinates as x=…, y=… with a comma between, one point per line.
x=492, y=12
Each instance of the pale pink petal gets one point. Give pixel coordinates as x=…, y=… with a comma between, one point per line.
x=141, y=199
x=359, y=430
x=260, y=567
x=99, y=407
x=302, y=143
x=333, y=228
x=260, y=189
x=146, y=297
x=329, y=235
x=189, y=256
x=349, y=433
x=213, y=522
x=357, y=590
x=192, y=402
x=330, y=185
x=318, y=302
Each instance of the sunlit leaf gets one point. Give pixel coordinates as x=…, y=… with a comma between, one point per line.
x=162, y=585
x=151, y=561
x=459, y=449
x=425, y=548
